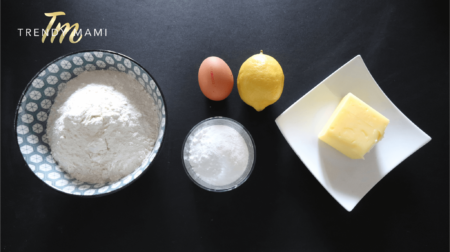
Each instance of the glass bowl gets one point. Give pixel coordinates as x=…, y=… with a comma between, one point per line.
x=245, y=135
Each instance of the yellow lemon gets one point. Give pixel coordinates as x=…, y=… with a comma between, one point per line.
x=260, y=81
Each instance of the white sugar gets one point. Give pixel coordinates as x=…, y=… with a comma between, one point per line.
x=218, y=154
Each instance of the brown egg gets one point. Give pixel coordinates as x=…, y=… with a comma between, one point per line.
x=215, y=78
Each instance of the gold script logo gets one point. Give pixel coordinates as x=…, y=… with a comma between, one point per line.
x=66, y=26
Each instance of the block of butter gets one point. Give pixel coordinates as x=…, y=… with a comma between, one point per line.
x=354, y=127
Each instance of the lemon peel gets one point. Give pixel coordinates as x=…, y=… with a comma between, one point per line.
x=260, y=81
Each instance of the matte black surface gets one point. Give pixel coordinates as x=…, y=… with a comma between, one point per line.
x=281, y=207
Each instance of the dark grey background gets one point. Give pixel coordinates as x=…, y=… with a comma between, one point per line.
x=281, y=207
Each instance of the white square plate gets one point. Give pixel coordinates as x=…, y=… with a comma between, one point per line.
x=345, y=179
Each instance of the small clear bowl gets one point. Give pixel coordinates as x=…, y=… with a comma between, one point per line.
x=248, y=140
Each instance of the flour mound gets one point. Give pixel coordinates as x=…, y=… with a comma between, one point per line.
x=102, y=126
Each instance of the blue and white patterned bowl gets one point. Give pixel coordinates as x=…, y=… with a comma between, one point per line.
x=34, y=107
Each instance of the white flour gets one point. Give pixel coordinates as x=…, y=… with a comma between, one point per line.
x=102, y=126
x=218, y=154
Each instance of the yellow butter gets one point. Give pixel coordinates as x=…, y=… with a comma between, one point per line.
x=354, y=127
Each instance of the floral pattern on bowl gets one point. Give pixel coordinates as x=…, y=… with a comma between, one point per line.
x=35, y=104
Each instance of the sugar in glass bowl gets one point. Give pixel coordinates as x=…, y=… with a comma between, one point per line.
x=197, y=178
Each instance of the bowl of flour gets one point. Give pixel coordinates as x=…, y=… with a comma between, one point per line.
x=91, y=122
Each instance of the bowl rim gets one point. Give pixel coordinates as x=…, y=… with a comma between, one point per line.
x=184, y=163
x=56, y=60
